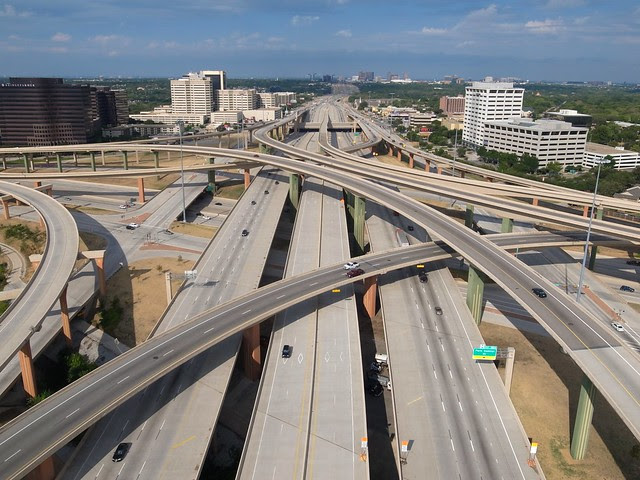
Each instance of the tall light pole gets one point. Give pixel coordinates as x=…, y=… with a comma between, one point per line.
x=455, y=154
x=586, y=243
x=180, y=124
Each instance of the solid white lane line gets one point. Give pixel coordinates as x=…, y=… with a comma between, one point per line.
x=119, y=382
x=10, y=457
x=168, y=353
x=76, y=410
x=207, y=331
x=244, y=313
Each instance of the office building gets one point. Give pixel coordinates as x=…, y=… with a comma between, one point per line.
x=263, y=114
x=572, y=116
x=418, y=119
x=109, y=108
x=192, y=94
x=487, y=102
x=44, y=112
x=236, y=99
x=164, y=114
x=365, y=77
x=218, y=78
x=275, y=99
x=452, y=105
x=595, y=153
x=547, y=140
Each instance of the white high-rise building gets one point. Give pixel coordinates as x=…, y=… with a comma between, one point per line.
x=192, y=94
x=218, y=78
x=486, y=102
x=236, y=99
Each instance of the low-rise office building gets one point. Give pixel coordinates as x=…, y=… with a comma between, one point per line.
x=236, y=99
x=263, y=114
x=547, y=140
x=164, y=114
x=624, y=159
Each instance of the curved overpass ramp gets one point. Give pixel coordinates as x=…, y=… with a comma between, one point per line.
x=25, y=315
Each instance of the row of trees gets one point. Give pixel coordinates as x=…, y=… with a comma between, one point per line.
x=510, y=162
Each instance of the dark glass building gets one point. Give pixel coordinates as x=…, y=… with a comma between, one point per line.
x=43, y=112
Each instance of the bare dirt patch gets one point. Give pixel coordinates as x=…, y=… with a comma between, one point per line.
x=545, y=392
x=140, y=291
x=230, y=189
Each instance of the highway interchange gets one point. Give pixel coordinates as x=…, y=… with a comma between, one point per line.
x=512, y=277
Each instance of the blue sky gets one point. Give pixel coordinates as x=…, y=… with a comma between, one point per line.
x=534, y=39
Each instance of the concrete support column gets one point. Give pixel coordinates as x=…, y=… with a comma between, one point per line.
x=59, y=162
x=399, y=154
x=28, y=373
x=141, y=198
x=168, y=156
x=247, y=178
x=156, y=159
x=468, y=216
x=439, y=170
x=169, y=287
x=294, y=190
x=427, y=165
x=32, y=162
x=102, y=281
x=211, y=176
x=389, y=149
x=64, y=316
x=585, y=211
x=251, y=352
x=507, y=225
x=75, y=158
x=4, y=163
x=5, y=207
x=137, y=157
x=359, y=209
x=411, y=160
x=45, y=471
x=508, y=368
x=250, y=137
x=584, y=415
x=475, y=293
x=125, y=160
x=534, y=201
x=25, y=158
x=37, y=184
x=369, y=297
x=594, y=248
x=93, y=161
x=102, y=157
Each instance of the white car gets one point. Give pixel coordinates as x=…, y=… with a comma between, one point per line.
x=124, y=207
x=617, y=326
x=351, y=265
x=132, y=226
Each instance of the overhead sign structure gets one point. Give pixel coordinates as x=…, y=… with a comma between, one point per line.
x=485, y=352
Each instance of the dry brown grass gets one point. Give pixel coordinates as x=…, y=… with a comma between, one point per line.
x=545, y=394
x=195, y=230
x=141, y=291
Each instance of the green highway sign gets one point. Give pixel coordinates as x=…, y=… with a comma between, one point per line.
x=485, y=352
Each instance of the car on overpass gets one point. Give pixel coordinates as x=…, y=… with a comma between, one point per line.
x=617, y=326
x=121, y=452
x=351, y=265
x=354, y=272
x=539, y=292
x=627, y=288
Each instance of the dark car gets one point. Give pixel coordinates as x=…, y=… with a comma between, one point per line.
x=539, y=292
x=374, y=388
x=286, y=351
x=218, y=203
x=245, y=233
x=277, y=182
x=627, y=288
x=410, y=228
x=121, y=452
x=253, y=202
x=354, y=272
x=266, y=192
x=438, y=311
x=424, y=278
x=633, y=262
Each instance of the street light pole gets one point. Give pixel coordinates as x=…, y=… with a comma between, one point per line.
x=455, y=154
x=586, y=243
x=180, y=124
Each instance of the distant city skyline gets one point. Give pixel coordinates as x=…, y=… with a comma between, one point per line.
x=551, y=40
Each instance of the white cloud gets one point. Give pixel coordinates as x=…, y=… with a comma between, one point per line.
x=433, y=31
x=110, y=40
x=299, y=20
x=564, y=3
x=61, y=37
x=581, y=20
x=343, y=33
x=545, y=26
x=10, y=11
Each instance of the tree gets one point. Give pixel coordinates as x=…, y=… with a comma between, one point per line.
x=554, y=168
x=363, y=105
x=529, y=163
